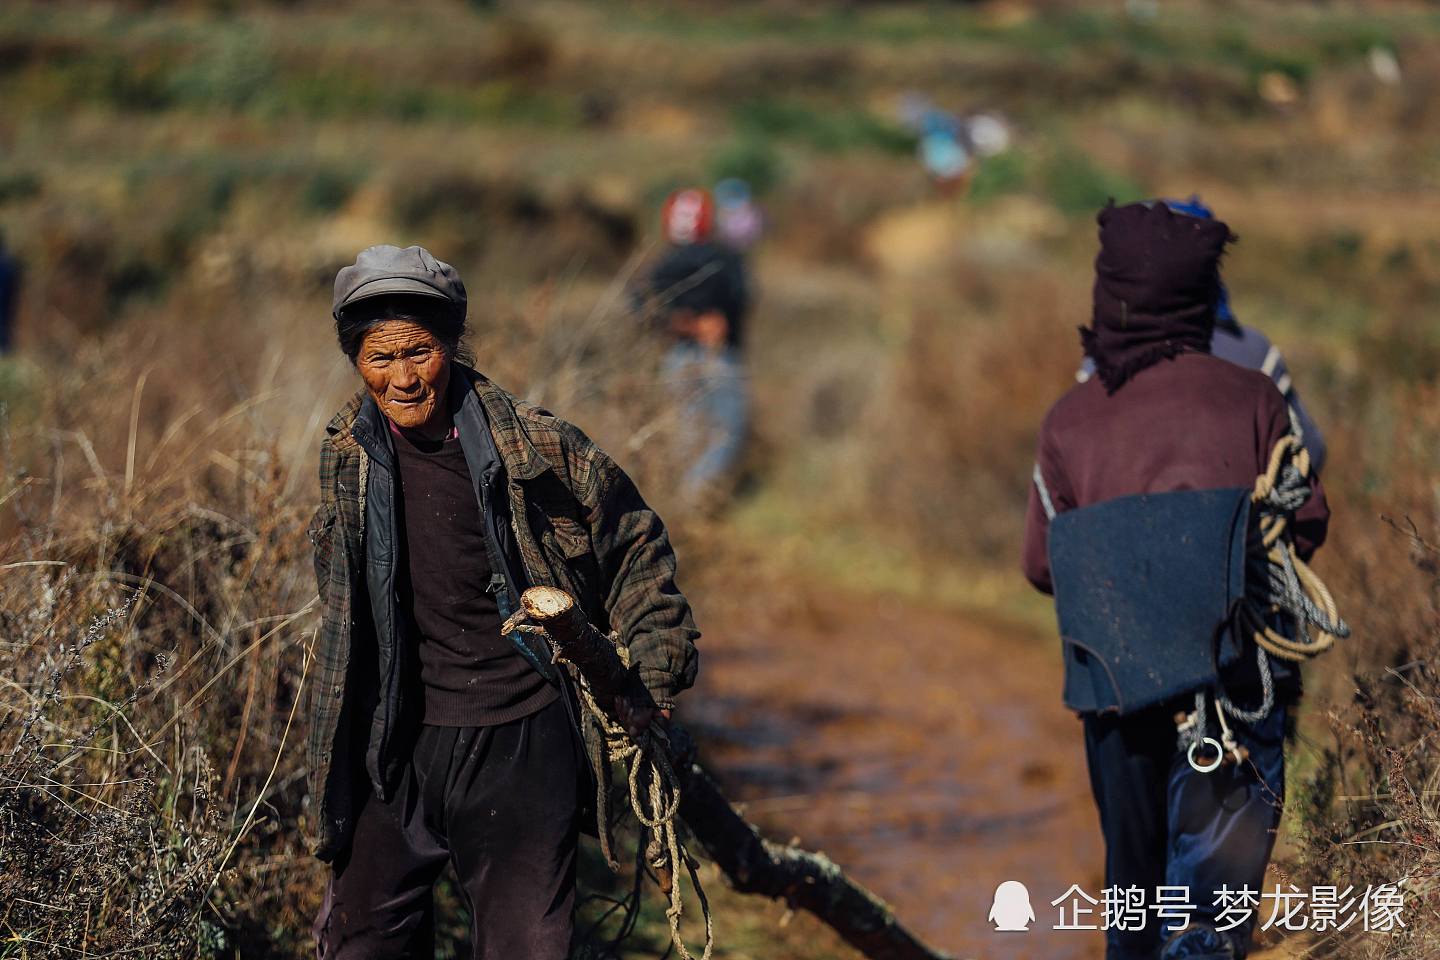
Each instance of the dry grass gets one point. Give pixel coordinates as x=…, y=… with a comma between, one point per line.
x=970, y=402
x=153, y=786
x=1367, y=809
x=158, y=611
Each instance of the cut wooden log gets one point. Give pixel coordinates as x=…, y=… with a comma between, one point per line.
x=752, y=864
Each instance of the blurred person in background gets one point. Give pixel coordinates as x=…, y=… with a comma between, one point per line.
x=9, y=296
x=738, y=220
x=700, y=293
x=939, y=141
x=434, y=739
x=943, y=152
x=1249, y=348
x=1162, y=416
x=951, y=147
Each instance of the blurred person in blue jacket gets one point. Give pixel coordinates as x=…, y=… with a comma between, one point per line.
x=1248, y=348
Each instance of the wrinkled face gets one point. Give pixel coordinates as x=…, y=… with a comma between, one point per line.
x=407, y=370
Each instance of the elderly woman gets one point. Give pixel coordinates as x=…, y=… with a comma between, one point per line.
x=434, y=738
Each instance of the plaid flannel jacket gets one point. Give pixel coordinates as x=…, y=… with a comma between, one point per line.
x=579, y=523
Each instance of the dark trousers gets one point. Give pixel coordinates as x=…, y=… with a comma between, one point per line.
x=1166, y=824
x=500, y=804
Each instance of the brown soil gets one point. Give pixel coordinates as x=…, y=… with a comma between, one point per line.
x=926, y=752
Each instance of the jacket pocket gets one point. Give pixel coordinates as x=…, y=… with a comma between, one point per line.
x=572, y=557
x=569, y=538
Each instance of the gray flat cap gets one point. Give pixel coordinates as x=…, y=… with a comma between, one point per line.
x=390, y=269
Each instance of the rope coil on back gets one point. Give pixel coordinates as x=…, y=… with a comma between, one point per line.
x=1290, y=588
x=1280, y=587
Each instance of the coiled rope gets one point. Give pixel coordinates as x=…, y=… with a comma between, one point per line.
x=1290, y=587
x=654, y=792
x=651, y=777
x=1280, y=589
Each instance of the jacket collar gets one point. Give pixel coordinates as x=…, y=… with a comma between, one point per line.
x=372, y=432
x=521, y=459
x=341, y=426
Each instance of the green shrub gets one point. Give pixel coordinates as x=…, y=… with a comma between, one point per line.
x=142, y=83
x=1232, y=45
x=327, y=189
x=1298, y=66
x=1055, y=35
x=1352, y=39
x=418, y=202
x=18, y=378
x=205, y=200
x=1076, y=185
x=1332, y=250
x=232, y=73
x=19, y=185
x=507, y=101
x=1002, y=174
x=827, y=131
x=752, y=159
x=136, y=279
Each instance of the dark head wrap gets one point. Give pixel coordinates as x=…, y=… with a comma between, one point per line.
x=1195, y=207
x=1157, y=281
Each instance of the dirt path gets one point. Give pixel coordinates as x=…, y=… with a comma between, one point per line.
x=927, y=753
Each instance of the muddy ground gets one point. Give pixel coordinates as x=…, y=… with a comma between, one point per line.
x=926, y=751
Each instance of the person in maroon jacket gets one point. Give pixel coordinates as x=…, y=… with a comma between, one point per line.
x=1163, y=415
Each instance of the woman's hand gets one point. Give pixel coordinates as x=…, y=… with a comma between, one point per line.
x=636, y=717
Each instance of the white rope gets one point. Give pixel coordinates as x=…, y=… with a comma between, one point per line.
x=654, y=794
x=1288, y=588
x=647, y=761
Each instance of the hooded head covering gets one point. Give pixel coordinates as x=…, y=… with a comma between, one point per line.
x=1157, y=280
x=1224, y=316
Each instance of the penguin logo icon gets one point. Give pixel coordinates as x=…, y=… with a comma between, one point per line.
x=1011, y=910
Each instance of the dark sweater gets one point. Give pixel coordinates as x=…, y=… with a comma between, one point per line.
x=472, y=675
x=704, y=277
x=1191, y=423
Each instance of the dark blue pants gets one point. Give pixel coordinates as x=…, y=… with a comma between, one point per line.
x=1167, y=825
